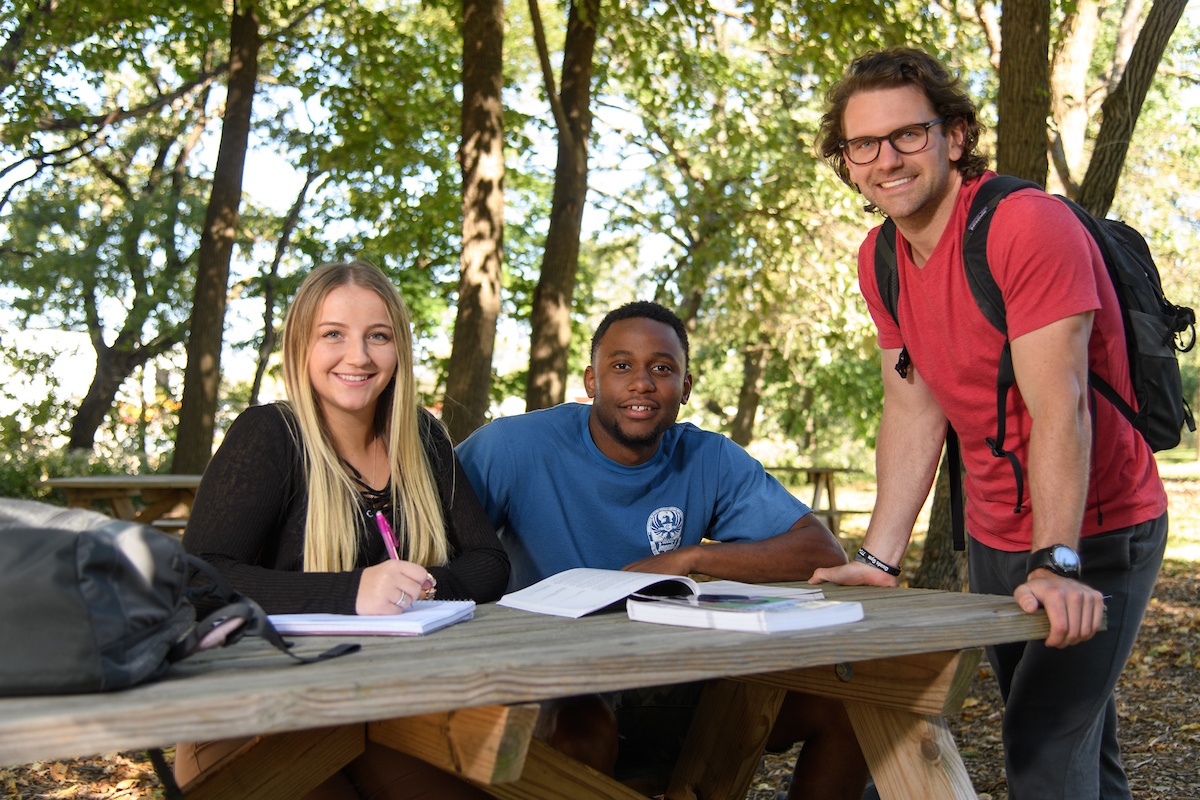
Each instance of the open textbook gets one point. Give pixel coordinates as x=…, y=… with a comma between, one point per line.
x=423, y=616
x=581, y=591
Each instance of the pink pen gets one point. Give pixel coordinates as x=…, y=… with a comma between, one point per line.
x=389, y=538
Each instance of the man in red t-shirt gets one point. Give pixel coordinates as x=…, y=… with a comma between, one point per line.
x=903, y=131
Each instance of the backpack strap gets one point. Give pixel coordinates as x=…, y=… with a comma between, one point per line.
x=990, y=300
x=237, y=616
x=887, y=280
x=958, y=528
x=974, y=248
x=887, y=275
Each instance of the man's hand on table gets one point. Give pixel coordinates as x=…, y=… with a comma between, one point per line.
x=1075, y=610
x=854, y=574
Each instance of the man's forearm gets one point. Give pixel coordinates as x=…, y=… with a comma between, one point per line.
x=790, y=556
x=1059, y=459
x=1051, y=365
x=907, y=453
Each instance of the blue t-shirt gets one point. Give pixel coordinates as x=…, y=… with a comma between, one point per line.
x=560, y=503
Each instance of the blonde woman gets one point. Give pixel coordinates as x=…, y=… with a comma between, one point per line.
x=287, y=508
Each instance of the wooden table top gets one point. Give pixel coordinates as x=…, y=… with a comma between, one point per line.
x=124, y=481
x=502, y=656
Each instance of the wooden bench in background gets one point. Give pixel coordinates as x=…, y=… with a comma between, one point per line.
x=824, y=497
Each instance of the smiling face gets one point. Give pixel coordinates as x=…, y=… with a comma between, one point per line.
x=637, y=380
x=352, y=356
x=917, y=190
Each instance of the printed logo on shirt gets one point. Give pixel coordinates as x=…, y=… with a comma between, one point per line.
x=664, y=527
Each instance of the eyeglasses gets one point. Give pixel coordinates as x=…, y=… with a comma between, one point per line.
x=906, y=141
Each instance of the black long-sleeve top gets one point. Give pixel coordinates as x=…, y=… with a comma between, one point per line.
x=249, y=522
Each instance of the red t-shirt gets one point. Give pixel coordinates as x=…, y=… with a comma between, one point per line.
x=1048, y=268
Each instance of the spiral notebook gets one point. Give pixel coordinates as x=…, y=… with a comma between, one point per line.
x=423, y=616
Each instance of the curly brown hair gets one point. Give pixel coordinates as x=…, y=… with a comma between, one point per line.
x=891, y=68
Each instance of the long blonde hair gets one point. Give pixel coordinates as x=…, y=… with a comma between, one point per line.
x=330, y=541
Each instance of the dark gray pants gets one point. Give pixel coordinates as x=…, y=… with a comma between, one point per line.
x=1060, y=718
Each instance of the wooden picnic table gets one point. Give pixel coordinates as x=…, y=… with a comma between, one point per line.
x=156, y=494
x=463, y=698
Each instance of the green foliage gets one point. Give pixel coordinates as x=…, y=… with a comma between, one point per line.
x=705, y=191
x=755, y=238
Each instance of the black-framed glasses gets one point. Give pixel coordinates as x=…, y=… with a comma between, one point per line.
x=906, y=141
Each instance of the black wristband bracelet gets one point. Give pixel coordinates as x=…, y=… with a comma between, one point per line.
x=864, y=557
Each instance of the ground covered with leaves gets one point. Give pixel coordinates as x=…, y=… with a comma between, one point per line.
x=1158, y=698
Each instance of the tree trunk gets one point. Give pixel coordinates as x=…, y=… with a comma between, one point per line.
x=114, y=363
x=469, y=377
x=754, y=359
x=202, y=378
x=270, y=281
x=1024, y=99
x=113, y=366
x=941, y=567
x=1070, y=106
x=551, y=315
x=1121, y=108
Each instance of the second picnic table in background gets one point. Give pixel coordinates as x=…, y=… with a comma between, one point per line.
x=824, y=496
x=159, y=495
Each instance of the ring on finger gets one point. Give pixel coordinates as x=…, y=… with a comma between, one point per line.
x=403, y=601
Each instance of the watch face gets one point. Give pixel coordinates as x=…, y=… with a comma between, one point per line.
x=1058, y=558
x=1064, y=558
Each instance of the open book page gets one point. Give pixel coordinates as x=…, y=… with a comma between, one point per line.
x=580, y=591
x=423, y=616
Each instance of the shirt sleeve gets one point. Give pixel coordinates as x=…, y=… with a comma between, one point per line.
x=752, y=504
x=483, y=457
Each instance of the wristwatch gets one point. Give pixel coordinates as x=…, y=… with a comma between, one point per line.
x=1059, y=559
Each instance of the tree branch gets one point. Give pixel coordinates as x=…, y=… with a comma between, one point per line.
x=543, y=51
x=1122, y=107
x=119, y=115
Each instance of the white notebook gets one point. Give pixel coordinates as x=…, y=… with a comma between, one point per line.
x=423, y=616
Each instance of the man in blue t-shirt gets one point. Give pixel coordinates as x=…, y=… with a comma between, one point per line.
x=620, y=484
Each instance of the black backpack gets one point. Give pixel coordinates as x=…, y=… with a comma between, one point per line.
x=1153, y=327
x=90, y=604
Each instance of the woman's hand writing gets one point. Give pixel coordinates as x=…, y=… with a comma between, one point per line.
x=391, y=587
